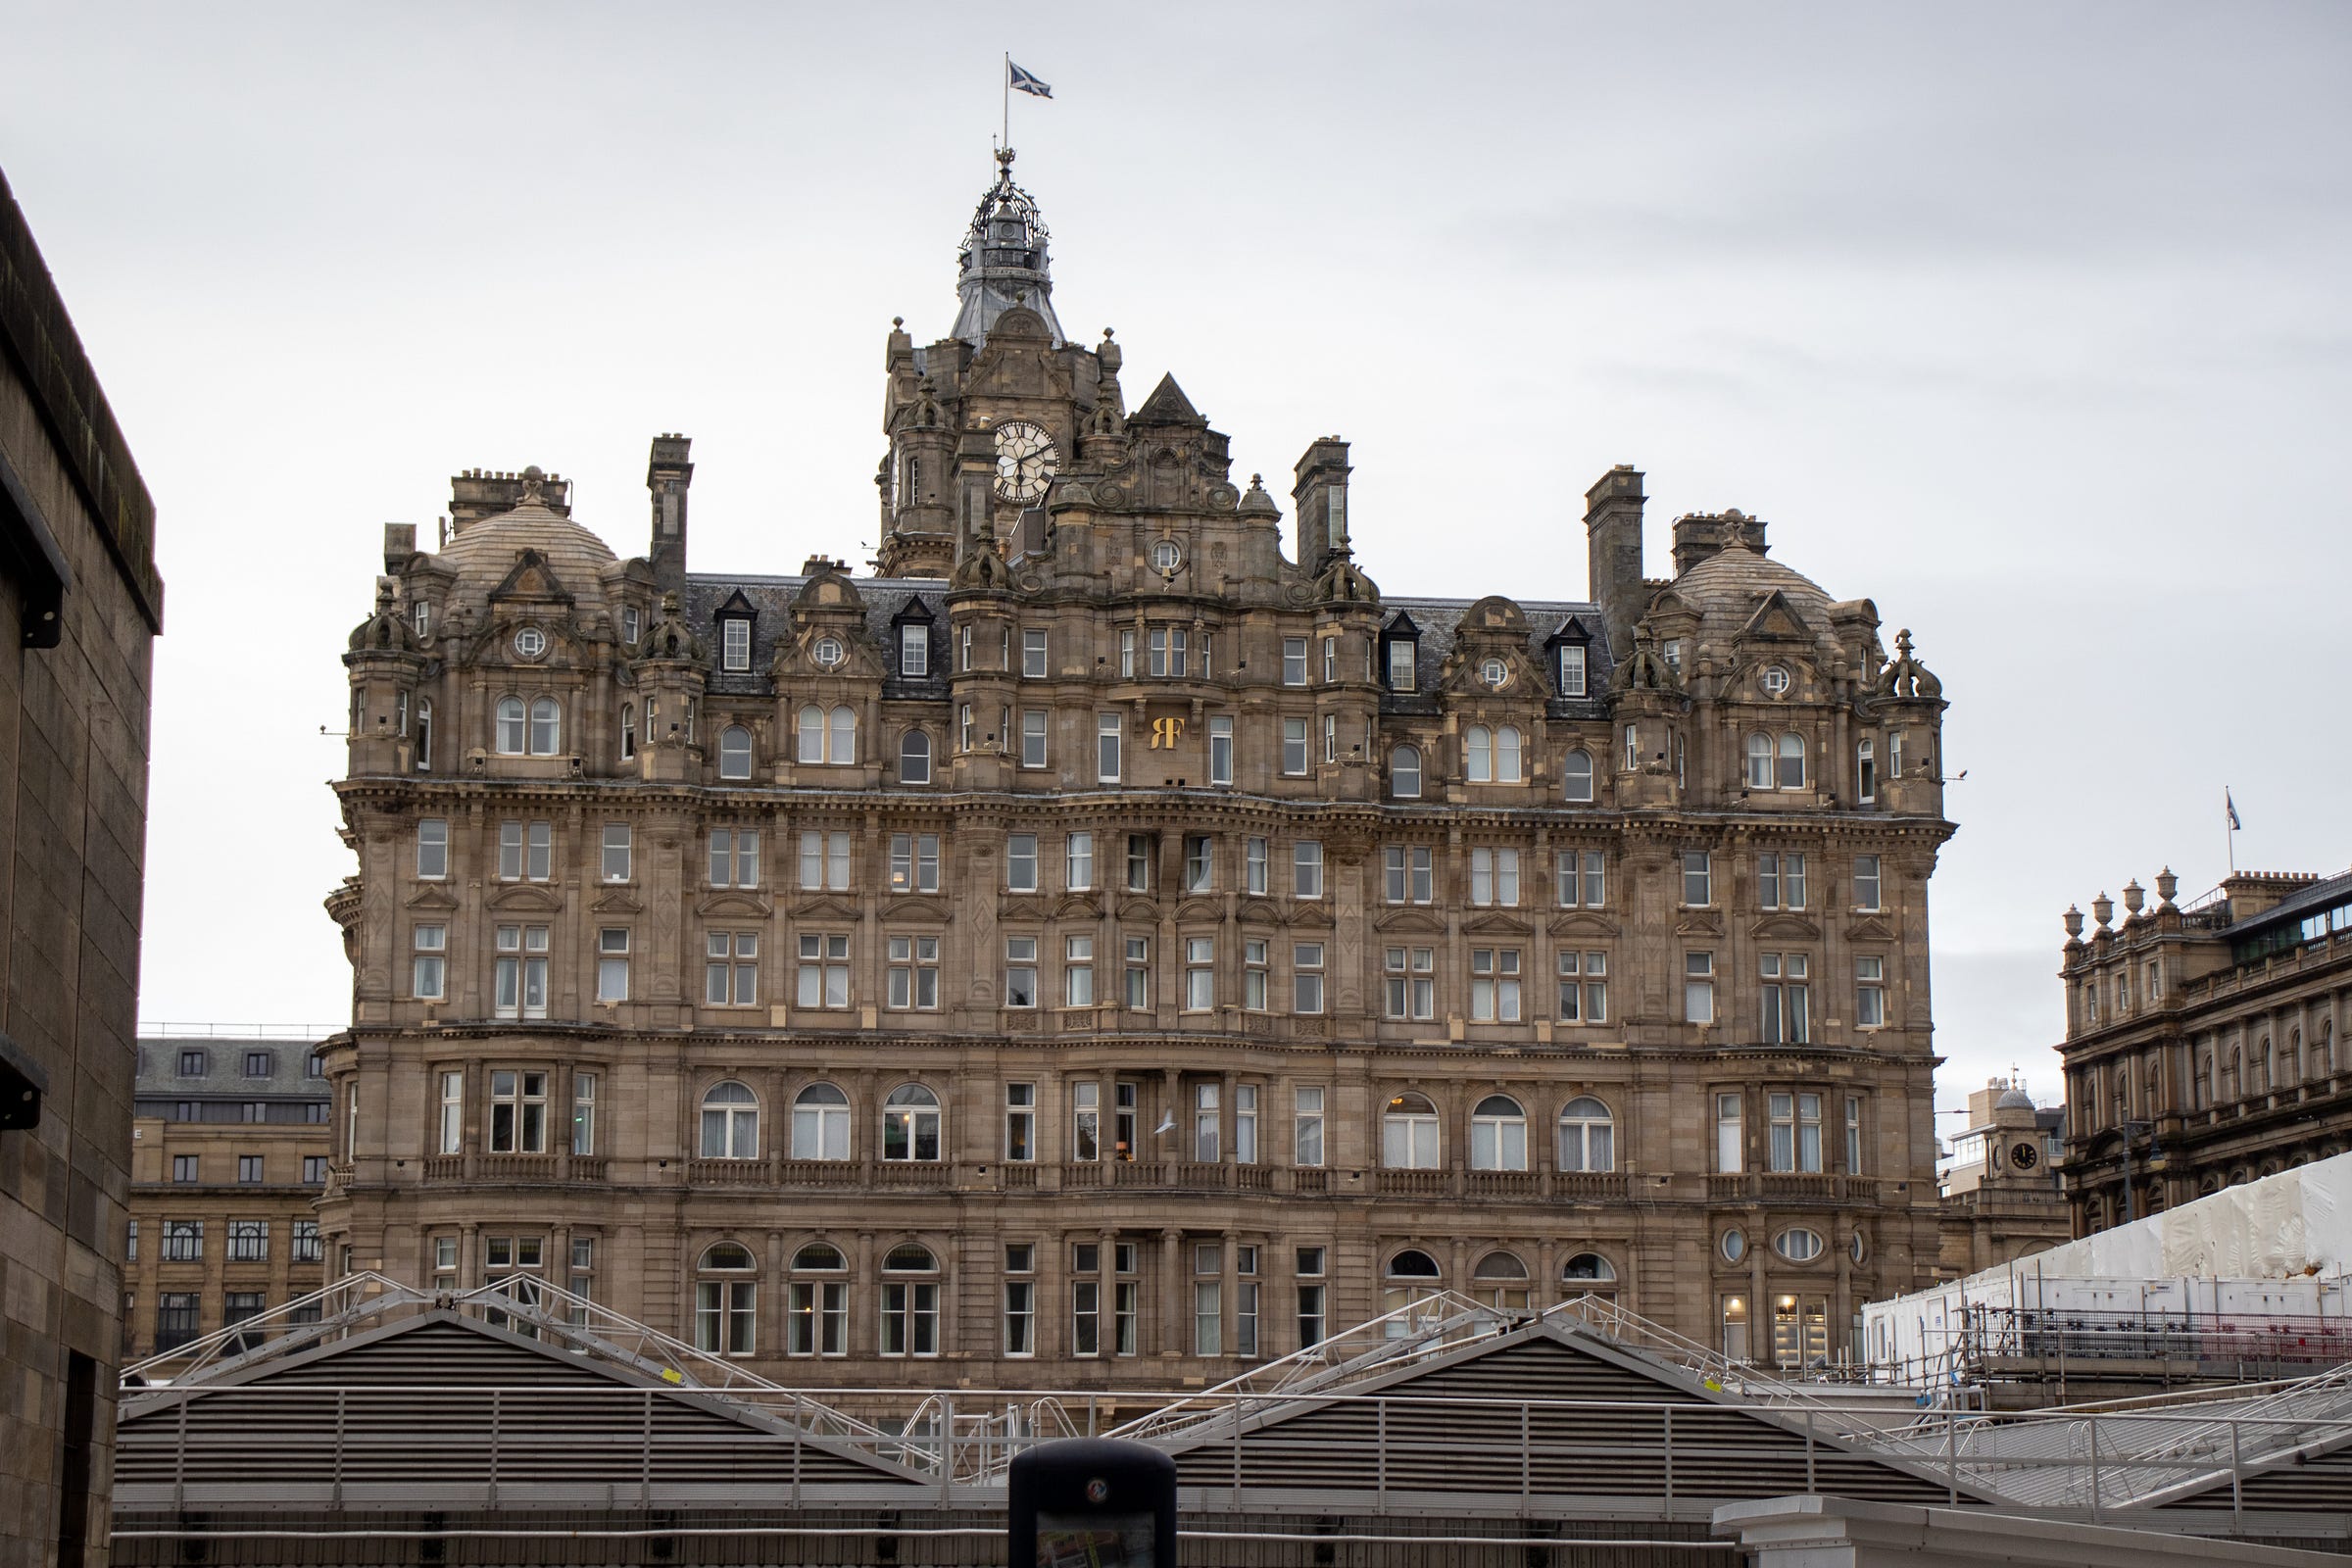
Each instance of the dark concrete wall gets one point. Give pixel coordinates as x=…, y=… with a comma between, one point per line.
x=74, y=740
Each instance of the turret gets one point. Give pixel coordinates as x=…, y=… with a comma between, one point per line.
x=1003, y=262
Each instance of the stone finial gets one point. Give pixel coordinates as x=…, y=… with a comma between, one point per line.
x=2103, y=909
x=2167, y=884
x=2133, y=896
x=2074, y=922
x=533, y=479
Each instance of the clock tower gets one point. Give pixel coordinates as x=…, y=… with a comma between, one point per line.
x=1004, y=369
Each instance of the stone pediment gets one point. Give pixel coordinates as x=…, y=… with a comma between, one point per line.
x=1199, y=911
x=1870, y=928
x=1022, y=905
x=524, y=897
x=1786, y=928
x=1259, y=912
x=1776, y=618
x=1584, y=923
x=531, y=577
x=1698, y=923
x=917, y=907
x=1311, y=915
x=1495, y=923
x=432, y=896
x=617, y=899
x=1410, y=918
x=824, y=907
x=1138, y=910
x=1078, y=907
x=733, y=905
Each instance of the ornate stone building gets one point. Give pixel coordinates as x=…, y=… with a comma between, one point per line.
x=2001, y=1195
x=1108, y=945
x=2204, y=1046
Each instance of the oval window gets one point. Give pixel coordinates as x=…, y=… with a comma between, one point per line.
x=1797, y=1245
x=1775, y=680
x=531, y=642
x=1166, y=555
x=1858, y=1248
x=1734, y=1246
x=828, y=651
x=1494, y=671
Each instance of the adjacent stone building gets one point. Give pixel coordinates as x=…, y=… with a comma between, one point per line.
x=2002, y=1200
x=1119, y=940
x=81, y=608
x=230, y=1157
x=2203, y=1042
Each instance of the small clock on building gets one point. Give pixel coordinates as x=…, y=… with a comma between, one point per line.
x=2024, y=1156
x=1026, y=460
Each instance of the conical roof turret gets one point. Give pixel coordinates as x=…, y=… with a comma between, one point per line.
x=1002, y=261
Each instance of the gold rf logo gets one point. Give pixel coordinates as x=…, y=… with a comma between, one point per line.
x=1165, y=733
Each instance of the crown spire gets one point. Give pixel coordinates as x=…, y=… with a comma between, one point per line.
x=1003, y=262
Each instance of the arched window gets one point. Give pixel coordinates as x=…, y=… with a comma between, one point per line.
x=1412, y=1276
x=730, y=1122
x=1792, y=763
x=424, y=734
x=816, y=1316
x=1404, y=773
x=2263, y=1081
x=1866, y=771
x=1478, y=754
x=914, y=758
x=1498, y=1135
x=725, y=1300
x=1587, y=1271
x=1588, y=1136
x=910, y=1303
x=2231, y=1078
x=1759, y=762
x=734, y=752
x=509, y=727
x=628, y=730
x=1409, y=1134
x=842, y=746
x=2323, y=1050
x=812, y=732
x=1500, y=1281
x=2290, y=1065
x=547, y=727
x=1506, y=756
x=910, y=1124
x=1575, y=774
x=820, y=1123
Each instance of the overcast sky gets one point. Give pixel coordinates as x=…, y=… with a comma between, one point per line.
x=2027, y=322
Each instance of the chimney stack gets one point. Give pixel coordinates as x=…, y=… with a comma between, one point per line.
x=1613, y=554
x=668, y=473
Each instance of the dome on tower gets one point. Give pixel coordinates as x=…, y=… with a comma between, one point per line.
x=1728, y=586
x=1002, y=261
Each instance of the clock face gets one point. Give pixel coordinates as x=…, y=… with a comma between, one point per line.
x=1026, y=460
x=2024, y=1156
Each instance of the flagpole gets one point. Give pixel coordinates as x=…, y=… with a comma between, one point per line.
x=1008, y=86
x=2229, y=822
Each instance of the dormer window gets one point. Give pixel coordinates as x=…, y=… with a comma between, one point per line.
x=420, y=616
x=914, y=651
x=629, y=625
x=1572, y=669
x=1671, y=653
x=735, y=645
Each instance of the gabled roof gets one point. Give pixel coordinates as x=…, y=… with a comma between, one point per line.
x=440, y=1409
x=1594, y=1415
x=1167, y=405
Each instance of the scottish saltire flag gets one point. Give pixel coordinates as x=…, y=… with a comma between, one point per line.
x=2230, y=806
x=1020, y=81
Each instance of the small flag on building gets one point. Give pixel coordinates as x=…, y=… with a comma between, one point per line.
x=1020, y=81
x=2230, y=806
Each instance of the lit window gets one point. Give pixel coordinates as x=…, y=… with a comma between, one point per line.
x=1409, y=1134
x=910, y=1124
